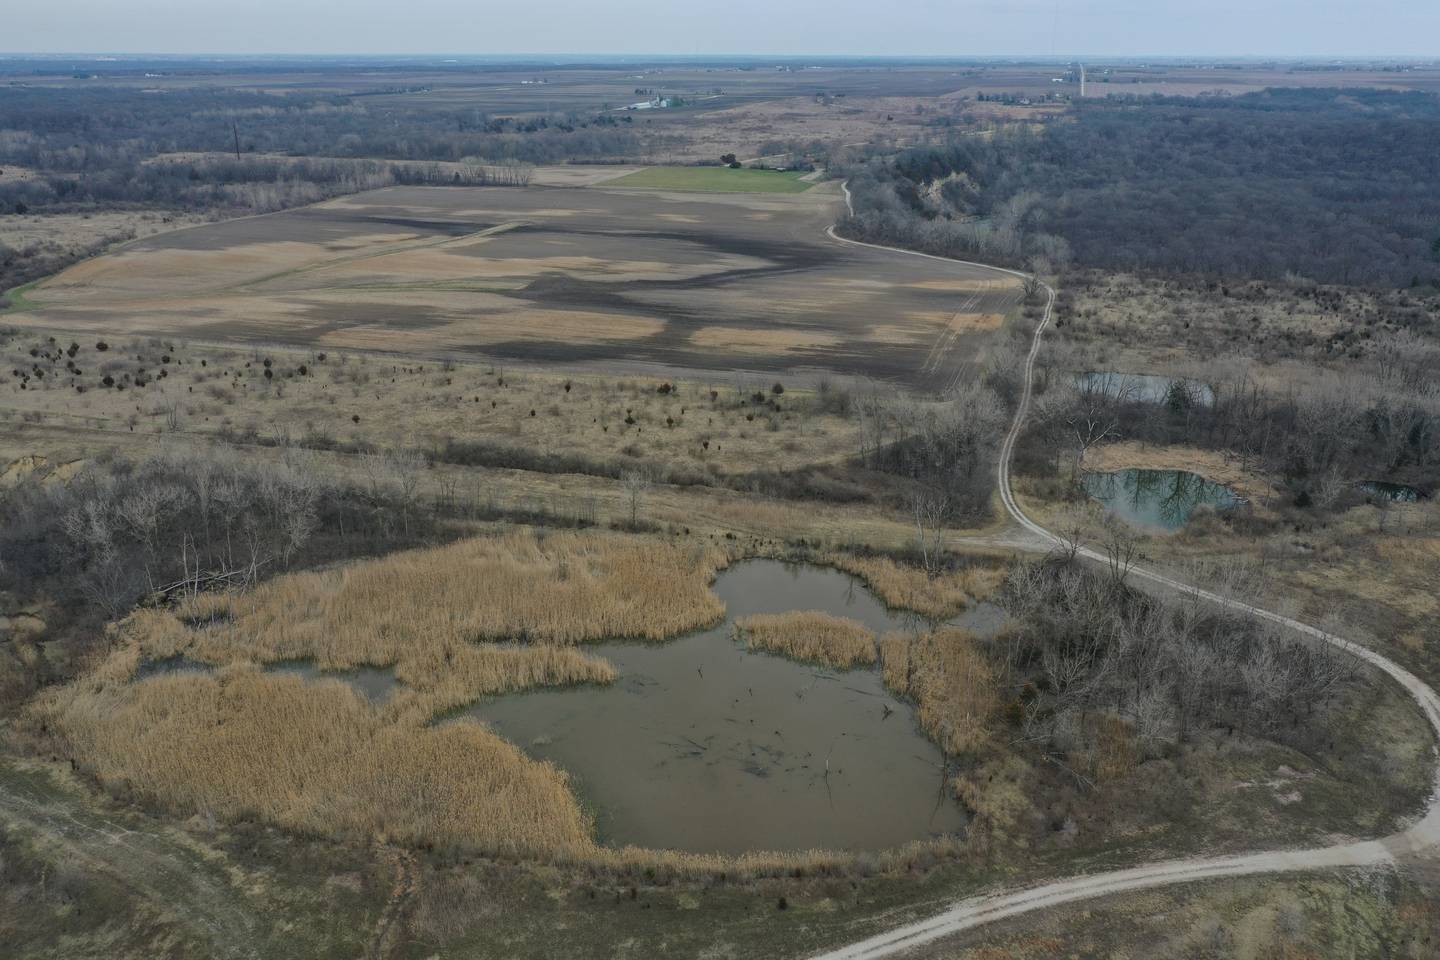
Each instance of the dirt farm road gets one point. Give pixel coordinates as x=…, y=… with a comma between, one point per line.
x=977, y=911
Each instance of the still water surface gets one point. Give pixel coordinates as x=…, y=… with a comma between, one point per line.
x=1157, y=499
x=701, y=745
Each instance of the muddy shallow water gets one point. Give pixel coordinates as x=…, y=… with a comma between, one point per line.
x=701, y=745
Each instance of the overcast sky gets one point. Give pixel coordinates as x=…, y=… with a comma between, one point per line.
x=896, y=27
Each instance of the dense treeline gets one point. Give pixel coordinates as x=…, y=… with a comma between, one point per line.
x=89, y=128
x=95, y=147
x=254, y=184
x=1340, y=186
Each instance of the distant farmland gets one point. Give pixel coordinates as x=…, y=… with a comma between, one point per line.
x=715, y=180
x=690, y=281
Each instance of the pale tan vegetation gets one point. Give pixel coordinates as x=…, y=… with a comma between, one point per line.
x=812, y=636
x=951, y=682
x=435, y=614
x=316, y=757
x=320, y=757
x=703, y=425
x=910, y=588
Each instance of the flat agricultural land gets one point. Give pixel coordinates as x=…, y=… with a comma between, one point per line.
x=654, y=280
x=715, y=180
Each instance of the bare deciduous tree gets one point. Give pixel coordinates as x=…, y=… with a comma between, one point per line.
x=636, y=484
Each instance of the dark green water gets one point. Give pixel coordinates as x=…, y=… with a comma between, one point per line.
x=1157, y=499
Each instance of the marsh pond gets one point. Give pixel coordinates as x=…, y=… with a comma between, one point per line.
x=703, y=745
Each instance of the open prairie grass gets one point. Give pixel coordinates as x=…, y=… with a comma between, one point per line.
x=910, y=588
x=463, y=412
x=810, y=635
x=951, y=682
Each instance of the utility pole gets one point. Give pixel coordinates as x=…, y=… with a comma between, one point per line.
x=1082, y=81
x=235, y=129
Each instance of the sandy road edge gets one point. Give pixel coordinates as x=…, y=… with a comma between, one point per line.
x=978, y=911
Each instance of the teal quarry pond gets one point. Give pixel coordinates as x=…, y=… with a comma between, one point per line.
x=1160, y=500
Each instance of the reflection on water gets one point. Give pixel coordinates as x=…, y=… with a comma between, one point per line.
x=1394, y=492
x=1157, y=499
x=1148, y=388
x=704, y=746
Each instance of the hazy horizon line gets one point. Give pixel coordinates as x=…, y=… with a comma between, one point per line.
x=941, y=57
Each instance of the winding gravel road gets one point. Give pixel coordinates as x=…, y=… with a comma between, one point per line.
x=977, y=911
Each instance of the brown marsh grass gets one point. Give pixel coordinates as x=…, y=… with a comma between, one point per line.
x=951, y=682
x=811, y=636
x=317, y=757
x=457, y=622
x=910, y=588
x=320, y=757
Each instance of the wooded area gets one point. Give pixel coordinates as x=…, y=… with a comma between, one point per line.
x=1339, y=186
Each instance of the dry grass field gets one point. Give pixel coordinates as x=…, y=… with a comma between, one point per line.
x=1183, y=327
x=708, y=426
x=589, y=276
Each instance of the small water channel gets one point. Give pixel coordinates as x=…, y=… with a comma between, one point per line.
x=375, y=684
x=703, y=746
x=1148, y=388
x=1157, y=499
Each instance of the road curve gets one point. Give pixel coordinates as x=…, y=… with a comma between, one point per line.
x=977, y=911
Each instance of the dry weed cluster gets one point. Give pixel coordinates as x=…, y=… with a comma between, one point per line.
x=810, y=635
x=910, y=588
x=951, y=682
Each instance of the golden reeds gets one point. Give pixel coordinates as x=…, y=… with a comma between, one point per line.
x=318, y=756
x=810, y=635
x=951, y=682
x=910, y=588
x=457, y=622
